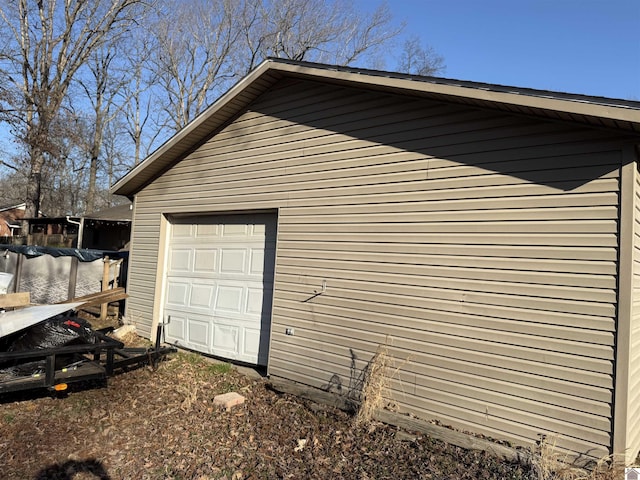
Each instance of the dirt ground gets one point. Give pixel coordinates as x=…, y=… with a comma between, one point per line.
x=163, y=425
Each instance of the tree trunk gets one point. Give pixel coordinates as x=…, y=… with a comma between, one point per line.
x=91, y=189
x=32, y=201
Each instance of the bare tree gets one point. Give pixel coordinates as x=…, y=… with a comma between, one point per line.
x=118, y=161
x=136, y=99
x=417, y=59
x=84, y=109
x=46, y=45
x=366, y=35
x=208, y=43
x=102, y=88
x=13, y=182
x=64, y=175
x=192, y=55
x=327, y=31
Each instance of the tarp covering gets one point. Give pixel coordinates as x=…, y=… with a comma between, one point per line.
x=84, y=254
x=58, y=331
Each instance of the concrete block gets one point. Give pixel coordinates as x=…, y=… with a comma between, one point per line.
x=228, y=400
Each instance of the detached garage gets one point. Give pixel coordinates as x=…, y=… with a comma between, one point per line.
x=489, y=235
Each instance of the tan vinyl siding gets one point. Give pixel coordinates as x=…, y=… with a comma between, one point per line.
x=481, y=246
x=633, y=413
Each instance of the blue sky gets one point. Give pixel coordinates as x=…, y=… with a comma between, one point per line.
x=578, y=46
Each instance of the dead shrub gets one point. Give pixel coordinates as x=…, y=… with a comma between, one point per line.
x=375, y=382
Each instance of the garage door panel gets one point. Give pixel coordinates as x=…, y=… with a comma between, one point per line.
x=178, y=293
x=181, y=230
x=202, y=296
x=226, y=339
x=254, y=303
x=229, y=298
x=198, y=332
x=207, y=231
x=220, y=283
x=189, y=329
x=176, y=330
x=251, y=341
x=256, y=264
x=205, y=260
x=234, y=230
x=233, y=261
x=180, y=260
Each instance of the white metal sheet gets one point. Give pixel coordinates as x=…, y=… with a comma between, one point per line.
x=16, y=320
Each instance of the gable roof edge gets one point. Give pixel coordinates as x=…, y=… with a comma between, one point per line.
x=619, y=112
x=613, y=109
x=195, y=129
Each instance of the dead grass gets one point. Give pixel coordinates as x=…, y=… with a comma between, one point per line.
x=548, y=463
x=131, y=339
x=374, y=385
x=163, y=424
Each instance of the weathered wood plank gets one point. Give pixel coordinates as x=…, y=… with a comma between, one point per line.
x=99, y=298
x=453, y=437
x=12, y=300
x=320, y=396
x=444, y=434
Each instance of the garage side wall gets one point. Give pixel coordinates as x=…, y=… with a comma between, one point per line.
x=479, y=246
x=633, y=402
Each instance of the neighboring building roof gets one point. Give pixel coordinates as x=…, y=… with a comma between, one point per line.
x=119, y=213
x=600, y=112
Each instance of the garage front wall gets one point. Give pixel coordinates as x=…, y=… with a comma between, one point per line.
x=479, y=246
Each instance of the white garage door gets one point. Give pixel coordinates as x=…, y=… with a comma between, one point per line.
x=219, y=285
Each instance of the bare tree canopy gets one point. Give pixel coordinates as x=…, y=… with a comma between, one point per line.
x=319, y=31
x=190, y=62
x=46, y=44
x=220, y=41
x=419, y=59
x=89, y=87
